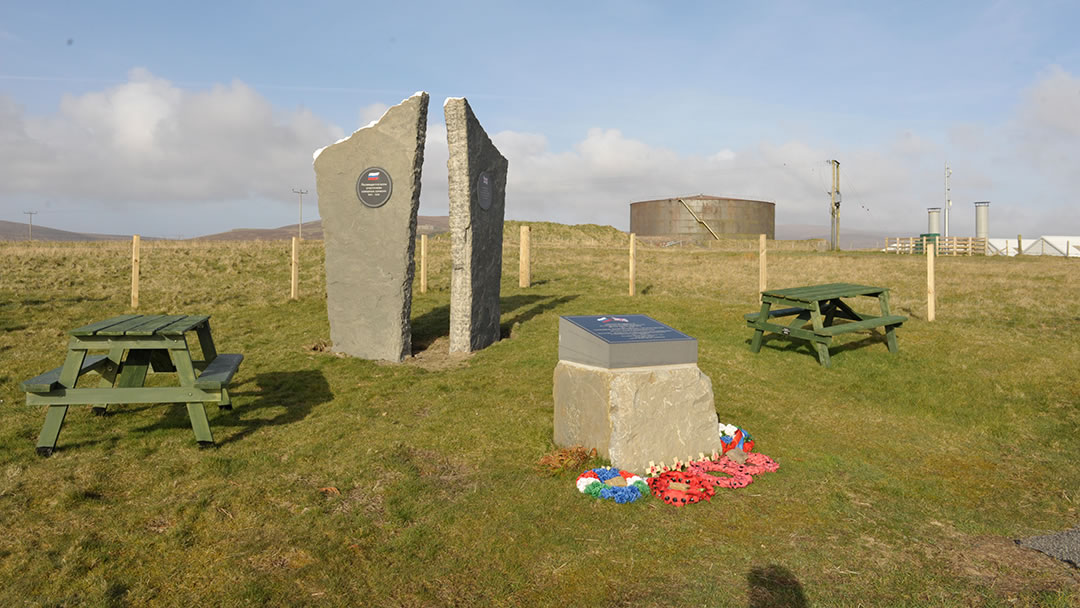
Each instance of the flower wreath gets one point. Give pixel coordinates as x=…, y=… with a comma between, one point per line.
x=690, y=488
x=732, y=437
x=594, y=482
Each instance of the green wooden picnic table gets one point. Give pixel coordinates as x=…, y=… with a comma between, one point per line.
x=131, y=346
x=821, y=306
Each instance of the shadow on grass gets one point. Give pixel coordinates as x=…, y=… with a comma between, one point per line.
x=774, y=586
x=296, y=392
x=523, y=316
x=435, y=324
x=800, y=345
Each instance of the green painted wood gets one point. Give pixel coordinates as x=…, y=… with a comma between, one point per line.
x=795, y=332
x=780, y=312
x=88, y=330
x=829, y=291
x=153, y=325
x=179, y=327
x=50, y=380
x=220, y=372
x=199, y=423
x=161, y=362
x=142, y=394
x=121, y=329
x=108, y=376
x=206, y=341
x=226, y=400
x=72, y=368
x=50, y=432
x=867, y=323
x=133, y=370
x=131, y=343
x=822, y=354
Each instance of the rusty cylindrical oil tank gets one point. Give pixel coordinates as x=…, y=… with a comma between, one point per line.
x=728, y=217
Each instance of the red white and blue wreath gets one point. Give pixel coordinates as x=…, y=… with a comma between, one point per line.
x=612, y=484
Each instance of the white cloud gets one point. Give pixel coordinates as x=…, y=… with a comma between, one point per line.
x=147, y=140
x=372, y=112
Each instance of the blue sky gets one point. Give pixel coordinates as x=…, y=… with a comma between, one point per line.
x=200, y=117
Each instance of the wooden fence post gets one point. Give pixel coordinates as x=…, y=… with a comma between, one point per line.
x=761, y=265
x=1019, y=245
x=524, y=263
x=295, y=271
x=633, y=262
x=423, y=263
x=135, y=271
x=931, y=292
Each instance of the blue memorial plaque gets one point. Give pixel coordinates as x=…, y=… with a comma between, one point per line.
x=613, y=341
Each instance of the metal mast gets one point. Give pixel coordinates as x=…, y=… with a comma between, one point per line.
x=948, y=200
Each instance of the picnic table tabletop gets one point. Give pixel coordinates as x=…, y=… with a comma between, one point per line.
x=829, y=291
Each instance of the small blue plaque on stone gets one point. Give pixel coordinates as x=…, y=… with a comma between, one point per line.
x=614, y=341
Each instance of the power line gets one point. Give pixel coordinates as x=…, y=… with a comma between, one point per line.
x=31, y=214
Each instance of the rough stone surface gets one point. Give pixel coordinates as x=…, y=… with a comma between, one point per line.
x=1064, y=546
x=634, y=415
x=369, y=252
x=475, y=231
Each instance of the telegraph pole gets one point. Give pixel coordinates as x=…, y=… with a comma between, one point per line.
x=948, y=200
x=834, y=206
x=300, y=226
x=31, y=214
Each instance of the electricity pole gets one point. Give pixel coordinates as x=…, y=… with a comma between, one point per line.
x=300, y=226
x=948, y=200
x=31, y=214
x=834, y=207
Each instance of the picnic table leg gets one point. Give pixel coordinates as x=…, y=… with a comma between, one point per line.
x=108, y=377
x=133, y=369
x=196, y=412
x=200, y=424
x=54, y=419
x=54, y=416
x=890, y=330
x=755, y=344
x=206, y=342
x=821, y=347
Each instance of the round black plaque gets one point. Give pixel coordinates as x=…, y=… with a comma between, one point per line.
x=373, y=187
x=483, y=190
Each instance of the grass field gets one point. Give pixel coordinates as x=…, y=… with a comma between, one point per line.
x=904, y=478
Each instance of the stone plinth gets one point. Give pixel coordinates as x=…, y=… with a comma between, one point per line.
x=477, y=182
x=369, y=192
x=634, y=415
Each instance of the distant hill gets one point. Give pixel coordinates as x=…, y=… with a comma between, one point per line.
x=425, y=224
x=849, y=239
x=19, y=231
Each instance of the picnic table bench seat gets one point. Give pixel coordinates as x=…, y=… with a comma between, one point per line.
x=219, y=372
x=50, y=380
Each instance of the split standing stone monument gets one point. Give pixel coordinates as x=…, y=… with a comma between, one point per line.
x=369, y=193
x=630, y=387
x=477, y=176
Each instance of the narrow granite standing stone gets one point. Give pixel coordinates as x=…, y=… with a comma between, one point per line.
x=477, y=174
x=369, y=192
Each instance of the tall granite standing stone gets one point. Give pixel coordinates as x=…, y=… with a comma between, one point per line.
x=369, y=192
x=477, y=175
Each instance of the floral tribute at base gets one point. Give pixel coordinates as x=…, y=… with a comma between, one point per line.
x=612, y=484
x=680, y=489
